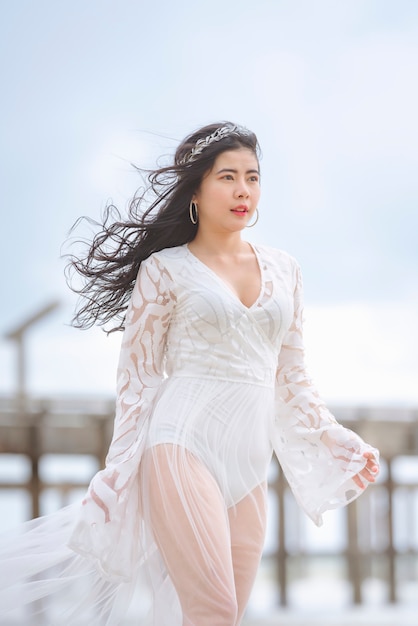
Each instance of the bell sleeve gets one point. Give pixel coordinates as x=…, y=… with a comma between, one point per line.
x=319, y=457
x=109, y=521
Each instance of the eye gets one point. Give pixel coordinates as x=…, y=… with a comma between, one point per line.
x=228, y=177
x=254, y=179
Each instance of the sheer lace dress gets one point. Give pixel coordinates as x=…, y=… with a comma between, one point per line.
x=207, y=390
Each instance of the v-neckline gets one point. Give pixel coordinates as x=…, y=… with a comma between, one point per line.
x=226, y=285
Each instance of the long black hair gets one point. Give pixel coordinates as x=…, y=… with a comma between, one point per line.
x=158, y=217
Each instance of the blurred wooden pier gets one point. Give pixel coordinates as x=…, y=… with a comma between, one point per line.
x=35, y=427
x=357, y=616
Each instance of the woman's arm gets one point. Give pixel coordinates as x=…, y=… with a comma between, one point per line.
x=326, y=465
x=109, y=520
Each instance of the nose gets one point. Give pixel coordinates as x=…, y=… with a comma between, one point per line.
x=242, y=190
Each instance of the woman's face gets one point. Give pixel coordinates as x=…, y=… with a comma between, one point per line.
x=229, y=193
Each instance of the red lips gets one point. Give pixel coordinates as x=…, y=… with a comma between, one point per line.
x=241, y=208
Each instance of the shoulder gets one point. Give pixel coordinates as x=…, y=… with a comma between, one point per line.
x=168, y=256
x=165, y=264
x=281, y=265
x=277, y=257
x=161, y=265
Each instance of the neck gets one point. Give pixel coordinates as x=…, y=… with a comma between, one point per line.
x=219, y=243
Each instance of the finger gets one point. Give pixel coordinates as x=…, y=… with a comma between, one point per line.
x=358, y=481
x=368, y=475
x=372, y=467
x=368, y=455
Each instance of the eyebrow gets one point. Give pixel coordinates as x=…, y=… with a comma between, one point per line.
x=227, y=169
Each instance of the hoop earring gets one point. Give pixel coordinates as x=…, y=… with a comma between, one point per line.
x=256, y=219
x=193, y=212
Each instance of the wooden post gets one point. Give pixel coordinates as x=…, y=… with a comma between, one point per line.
x=353, y=555
x=281, y=550
x=35, y=453
x=391, y=548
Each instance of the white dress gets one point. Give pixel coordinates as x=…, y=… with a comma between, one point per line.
x=212, y=378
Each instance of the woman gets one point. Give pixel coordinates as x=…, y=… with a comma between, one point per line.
x=211, y=379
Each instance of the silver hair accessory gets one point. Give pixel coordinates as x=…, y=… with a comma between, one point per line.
x=217, y=135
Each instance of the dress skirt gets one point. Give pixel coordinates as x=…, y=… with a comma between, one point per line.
x=221, y=434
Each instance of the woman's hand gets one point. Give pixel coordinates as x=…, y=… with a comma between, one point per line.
x=368, y=473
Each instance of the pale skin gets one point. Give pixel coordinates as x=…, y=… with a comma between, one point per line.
x=227, y=200
x=234, y=181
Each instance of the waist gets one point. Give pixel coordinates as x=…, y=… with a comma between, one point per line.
x=263, y=378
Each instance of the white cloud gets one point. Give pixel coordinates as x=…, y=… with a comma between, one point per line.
x=374, y=99
x=364, y=352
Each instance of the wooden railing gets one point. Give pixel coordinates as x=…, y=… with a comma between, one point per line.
x=71, y=426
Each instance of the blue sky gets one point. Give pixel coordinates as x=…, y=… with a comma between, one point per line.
x=330, y=89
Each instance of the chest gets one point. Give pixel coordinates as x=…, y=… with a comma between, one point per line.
x=210, y=305
x=242, y=276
